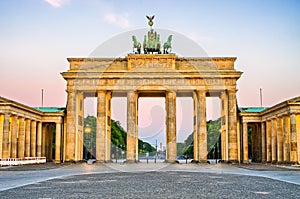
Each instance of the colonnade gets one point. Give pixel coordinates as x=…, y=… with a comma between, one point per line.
x=275, y=139
x=103, y=129
x=22, y=137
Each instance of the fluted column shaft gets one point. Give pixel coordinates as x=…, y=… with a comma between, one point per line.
x=71, y=124
x=232, y=125
x=195, y=123
x=274, y=140
x=279, y=140
x=14, y=138
x=286, y=139
x=132, y=127
x=1, y=133
x=21, y=141
x=33, y=139
x=263, y=142
x=27, y=137
x=202, y=129
x=293, y=137
x=171, y=126
x=245, y=143
x=57, y=142
x=39, y=140
x=101, y=126
x=6, y=141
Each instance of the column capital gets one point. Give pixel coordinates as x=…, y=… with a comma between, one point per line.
x=232, y=90
x=201, y=91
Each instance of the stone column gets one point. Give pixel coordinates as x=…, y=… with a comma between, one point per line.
x=1, y=133
x=293, y=137
x=171, y=126
x=269, y=141
x=263, y=142
x=71, y=123
x=298, y=136
x=279, y=140
x=21, y=140
x=101, y=126
x=232, y=126
x=27, y=137
x=57, y=141
x=195, y=133
x=224, y=125
x=286, y=139
x=39, y=140
x=274, y=140
x=108, y=127
x=44, y=133
x=245, y=143
x=14, y=136
x=6, y=134
x=132, y=127
x=48, y=144
x=33, y=139
x=202, y=129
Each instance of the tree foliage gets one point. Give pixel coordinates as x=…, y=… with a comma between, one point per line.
x=118, y=135
x=186, y=148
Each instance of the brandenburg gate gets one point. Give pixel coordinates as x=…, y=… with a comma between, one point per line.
x=155, y=73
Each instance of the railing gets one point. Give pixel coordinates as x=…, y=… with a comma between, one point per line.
x=22, y=161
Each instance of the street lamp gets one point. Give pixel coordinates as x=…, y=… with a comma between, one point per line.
x=88, y=131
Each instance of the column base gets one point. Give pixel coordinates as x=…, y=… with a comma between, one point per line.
x=100, y=161
x=130, y=161
x=57, y=161
x=172, y=161
x=203, y=162
x=232, y=162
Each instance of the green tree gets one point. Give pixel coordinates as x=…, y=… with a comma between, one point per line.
x=213, y=136
x=118, y=136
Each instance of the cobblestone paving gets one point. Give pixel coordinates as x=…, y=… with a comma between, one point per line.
x=156, y=185
x=151, y=181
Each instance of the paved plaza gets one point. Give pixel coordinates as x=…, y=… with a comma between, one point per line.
x=151, y=180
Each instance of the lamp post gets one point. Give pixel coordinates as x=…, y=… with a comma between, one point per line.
x=117, y=151
x=155, y=151
x=88, y=130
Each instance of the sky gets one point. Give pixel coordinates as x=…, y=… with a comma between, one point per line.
x=37, y=36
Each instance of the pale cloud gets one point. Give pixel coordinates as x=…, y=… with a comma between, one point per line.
x=199, y=38
x=57, y=3
x=120, y=20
